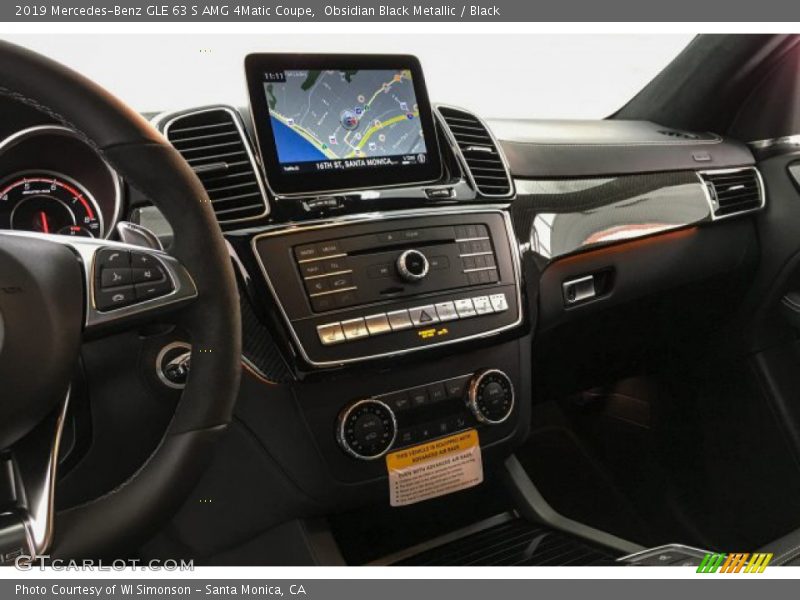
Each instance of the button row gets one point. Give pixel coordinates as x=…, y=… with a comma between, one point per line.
x=321, y=268
x=475, y=247
x=407, y=235
x=382, y=270
x=434, y=429
x=334, y=282
x=420, y=316
x=478, y=260
x=427, y=395
x=309, y=252
x=471, y=232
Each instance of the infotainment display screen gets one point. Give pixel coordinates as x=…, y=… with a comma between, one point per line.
x=330, y=123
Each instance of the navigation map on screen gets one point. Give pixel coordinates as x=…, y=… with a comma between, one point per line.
x=344, y=119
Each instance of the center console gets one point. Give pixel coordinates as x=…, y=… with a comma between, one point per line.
x=390, y=285
x=353, y=290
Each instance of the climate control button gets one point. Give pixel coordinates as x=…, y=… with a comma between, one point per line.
x=491, y=396
x=367, y=429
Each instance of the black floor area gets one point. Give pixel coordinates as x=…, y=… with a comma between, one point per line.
x=694, y=457
x=514, y=543
x=372, y=533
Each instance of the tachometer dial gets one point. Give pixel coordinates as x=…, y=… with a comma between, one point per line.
x=49, y=203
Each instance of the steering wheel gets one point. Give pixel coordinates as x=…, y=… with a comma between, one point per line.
x=49, y=302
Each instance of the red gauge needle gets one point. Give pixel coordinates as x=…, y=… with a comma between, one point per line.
x=43, y=219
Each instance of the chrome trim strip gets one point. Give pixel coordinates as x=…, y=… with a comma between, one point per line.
x=710, y=200
x=164, y=121
x=460, y=155
x=535, y=507
x=289, y=228
x=632, y=558
x=61, y=130
x=787, y=140
x=318, y=258
x=329, y=292
x=35, y=459
x=331, y=274
x=472, y=239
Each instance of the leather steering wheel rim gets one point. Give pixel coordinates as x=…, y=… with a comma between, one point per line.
x=115, y=523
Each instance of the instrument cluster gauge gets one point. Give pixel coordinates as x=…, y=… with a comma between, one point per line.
x=46, y=202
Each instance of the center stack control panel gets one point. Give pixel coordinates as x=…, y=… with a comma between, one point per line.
x=369, y=428
x=352, y=291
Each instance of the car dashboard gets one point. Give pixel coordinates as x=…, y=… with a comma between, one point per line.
x=383, y=316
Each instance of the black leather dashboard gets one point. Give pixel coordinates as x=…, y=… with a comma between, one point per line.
x=548, y=149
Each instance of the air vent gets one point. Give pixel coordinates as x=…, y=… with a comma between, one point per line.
x=734, y=191
x=681, y=135
x=480, y=152
x=215, y=145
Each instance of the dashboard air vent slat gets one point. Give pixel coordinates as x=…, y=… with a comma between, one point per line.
x=734, y=191
x=214, y=143
x=479, y=151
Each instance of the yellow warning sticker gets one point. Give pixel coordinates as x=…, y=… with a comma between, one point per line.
x=434, y=469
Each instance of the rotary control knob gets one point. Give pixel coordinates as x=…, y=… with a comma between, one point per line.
x=412, y=265
x=491, y=396
x=367, y=429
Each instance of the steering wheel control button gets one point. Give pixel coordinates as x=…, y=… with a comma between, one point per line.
x=147, y=291
x=378, y=324
x=412, y=265
x=112, y=258
x=143, y=260
x=399, y=320
x=355, y=329
x=446, y=311
x=109, y=299
x=148, y=274
x=367, y=429
x=491, y=396
x=465, y=308
x=115, y=277
x=423, y=315
x=330, y=334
